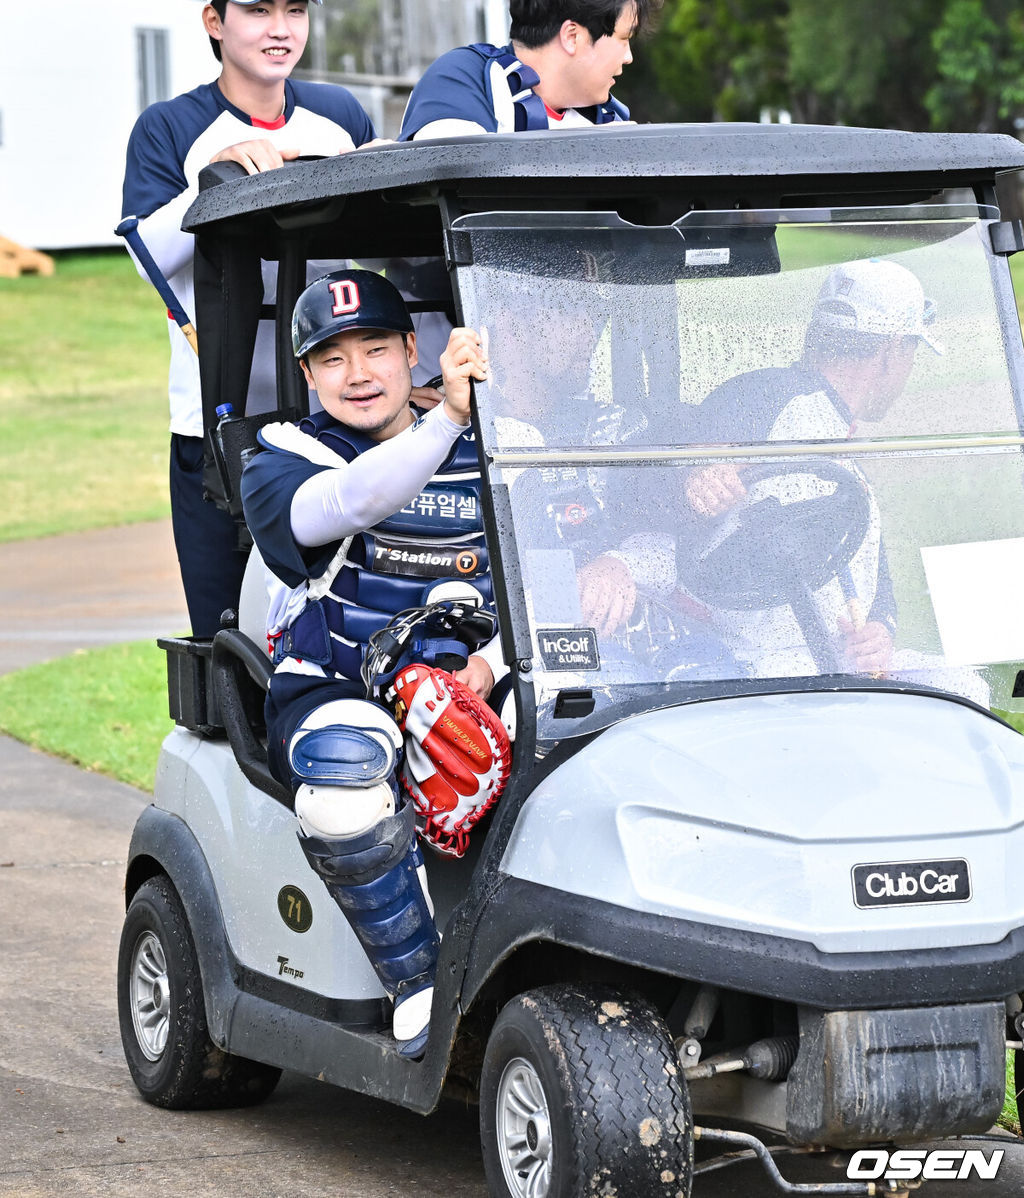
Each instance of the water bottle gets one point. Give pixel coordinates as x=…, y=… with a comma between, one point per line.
x=226, y=461
x=225, y=413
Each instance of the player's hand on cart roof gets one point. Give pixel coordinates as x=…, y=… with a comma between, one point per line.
x=256, y=156
x=464, y=358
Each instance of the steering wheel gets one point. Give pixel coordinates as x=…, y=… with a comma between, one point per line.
x=758, y=552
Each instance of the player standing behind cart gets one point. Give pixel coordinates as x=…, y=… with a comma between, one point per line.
x=360, y=512
x=557, y=73
x=255, y=116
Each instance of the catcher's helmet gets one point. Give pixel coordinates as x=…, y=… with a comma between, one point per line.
x=346, y=299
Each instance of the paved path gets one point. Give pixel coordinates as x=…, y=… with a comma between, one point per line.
x=84, y=590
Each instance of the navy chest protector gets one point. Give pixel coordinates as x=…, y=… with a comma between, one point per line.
x=530, y=112
x=370, y=577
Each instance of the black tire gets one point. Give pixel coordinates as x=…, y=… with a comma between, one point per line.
x=616, y=1117
x=170, y=1055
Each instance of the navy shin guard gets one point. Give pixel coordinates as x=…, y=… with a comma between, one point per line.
x=372, y=877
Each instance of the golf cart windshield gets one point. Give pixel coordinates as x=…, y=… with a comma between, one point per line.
x=717, y=459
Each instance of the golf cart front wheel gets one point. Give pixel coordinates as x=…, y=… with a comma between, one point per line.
x=167, y=1045
x=580, y=1093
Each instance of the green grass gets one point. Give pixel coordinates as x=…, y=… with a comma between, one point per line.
x=83, y=398
x=1009, y=1118
x=103, y=709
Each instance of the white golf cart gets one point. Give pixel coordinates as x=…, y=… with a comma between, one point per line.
x=734, y=879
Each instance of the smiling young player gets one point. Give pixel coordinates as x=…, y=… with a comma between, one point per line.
x=253, y=114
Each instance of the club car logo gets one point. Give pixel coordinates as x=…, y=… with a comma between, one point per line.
x=902, y=883
x=567, y=649
x=909, y=1164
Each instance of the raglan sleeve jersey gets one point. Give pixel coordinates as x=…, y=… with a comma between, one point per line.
x=173, y=140
x=452, y=99
x=487, y=89
x=171, y=143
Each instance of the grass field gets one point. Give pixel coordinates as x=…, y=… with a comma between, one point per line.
x=83, y=398
x=103, y=709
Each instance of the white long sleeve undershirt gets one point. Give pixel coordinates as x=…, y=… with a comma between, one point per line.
x=340, y=502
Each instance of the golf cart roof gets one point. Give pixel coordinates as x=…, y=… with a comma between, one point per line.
x=649, y=173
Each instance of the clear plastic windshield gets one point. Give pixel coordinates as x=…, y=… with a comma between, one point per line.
x=751, y=446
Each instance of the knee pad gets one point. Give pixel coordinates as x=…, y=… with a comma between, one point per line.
x=343, y=811
x=343, y=756
x=347, y=742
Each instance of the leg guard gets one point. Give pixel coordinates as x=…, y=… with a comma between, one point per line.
x=342, y=759
x=374, y=880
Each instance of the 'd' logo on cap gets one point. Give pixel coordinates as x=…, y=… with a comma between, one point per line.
x=346, y=297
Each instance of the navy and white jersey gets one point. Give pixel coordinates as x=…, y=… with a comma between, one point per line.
x=171, y=142
x=352, y=532
x=485, y=89
x=781, y=403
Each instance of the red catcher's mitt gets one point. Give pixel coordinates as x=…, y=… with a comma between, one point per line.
x=457, y=754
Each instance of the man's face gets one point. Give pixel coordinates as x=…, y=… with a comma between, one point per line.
x=541, y=358
x=364, y=379
x=598, y=64
x=262, y=41
x=894, y=366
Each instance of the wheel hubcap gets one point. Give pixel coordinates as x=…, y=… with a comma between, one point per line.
x=150, y=996
x=524, y=1131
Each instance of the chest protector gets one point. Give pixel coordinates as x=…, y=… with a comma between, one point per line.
x=511, y=83
x=376, y=574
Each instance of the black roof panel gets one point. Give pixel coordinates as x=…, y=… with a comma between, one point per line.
x=618, y=159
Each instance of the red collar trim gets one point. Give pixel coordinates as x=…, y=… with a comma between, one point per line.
x=278, y=124
x=553, y=113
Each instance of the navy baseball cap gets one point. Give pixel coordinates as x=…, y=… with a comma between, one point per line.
x=343, y=300
x=247, y=3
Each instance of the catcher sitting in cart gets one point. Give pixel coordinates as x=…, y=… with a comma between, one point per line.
x=364, y=512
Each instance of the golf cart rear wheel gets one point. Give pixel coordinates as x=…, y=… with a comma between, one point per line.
x=581, y=1093
x=170, y=1055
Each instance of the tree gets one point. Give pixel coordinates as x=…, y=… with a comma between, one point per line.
x=908, y=64
x=710, y=60
x=979, y=51
x=864, y=62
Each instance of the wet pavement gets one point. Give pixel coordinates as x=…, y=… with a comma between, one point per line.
x=85, y=590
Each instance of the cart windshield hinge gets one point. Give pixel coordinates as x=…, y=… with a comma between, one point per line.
x=458, y=247
x=1007, y=237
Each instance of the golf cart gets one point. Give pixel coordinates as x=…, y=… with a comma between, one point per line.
x=734, y=881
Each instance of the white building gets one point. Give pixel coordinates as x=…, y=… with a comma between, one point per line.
x=77, y=75
x=75, y=78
